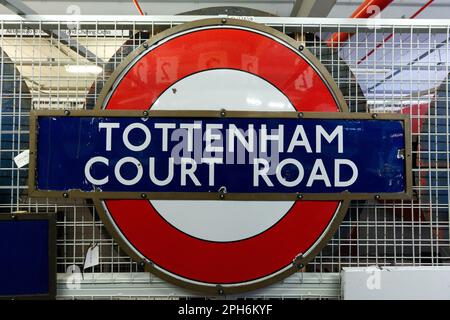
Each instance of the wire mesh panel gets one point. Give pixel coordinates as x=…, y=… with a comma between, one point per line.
x=392, y=66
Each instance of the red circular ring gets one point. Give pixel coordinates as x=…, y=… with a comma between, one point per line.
x=217, y=262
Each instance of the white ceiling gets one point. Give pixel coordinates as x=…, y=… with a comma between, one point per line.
x=151, y=7
x=377, y=75
x=342, y=9
x=439, y=9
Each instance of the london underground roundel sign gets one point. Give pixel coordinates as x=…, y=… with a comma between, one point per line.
x=223, y=246
x=279, y=157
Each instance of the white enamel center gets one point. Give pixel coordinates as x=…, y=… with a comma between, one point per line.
x=228, y=89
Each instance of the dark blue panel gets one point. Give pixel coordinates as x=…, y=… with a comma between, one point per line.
x=24, y=257
x=65, y=144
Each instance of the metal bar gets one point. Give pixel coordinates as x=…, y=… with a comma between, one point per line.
x=75, y=46
x=421, y=57
x=18, y=7
x=130, y=20
x=21, y=9
x=125, y=285
x=312, y=8
x=390, y=36
x=138, y=7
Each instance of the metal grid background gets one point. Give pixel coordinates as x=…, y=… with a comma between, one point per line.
x=385, y=66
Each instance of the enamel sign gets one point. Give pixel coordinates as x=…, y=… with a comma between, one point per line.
x=221, y=155
x=166, y=157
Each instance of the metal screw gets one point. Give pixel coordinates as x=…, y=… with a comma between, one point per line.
x=220, y=289
x=377, y=197
x=142, y=264
x=145, y=113
x=300, y=114
x=223, y=113
x=299, y=196
x=145, y=45
x=66, y=112
x=374, y=115
x=297, y=262
x=224, y=20
x=301, y=47
x=65, y=195
x=143, y=195
x=222, y=191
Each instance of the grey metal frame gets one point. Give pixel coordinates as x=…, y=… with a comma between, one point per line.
x=379, y=218
x=144, y=285
x=289, y=21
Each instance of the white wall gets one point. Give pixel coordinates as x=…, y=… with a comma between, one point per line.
x=396, y=283
x=342, y=9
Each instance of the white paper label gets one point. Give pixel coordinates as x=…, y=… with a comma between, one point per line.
x=22, y=159
x=92, y=257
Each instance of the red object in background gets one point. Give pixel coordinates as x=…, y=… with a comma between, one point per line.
x=136, y=3
x=363, y=11
x=418, y=114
